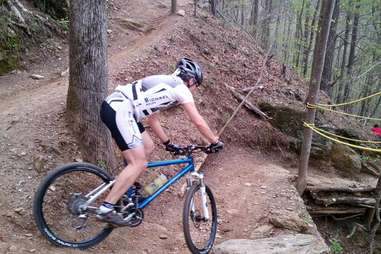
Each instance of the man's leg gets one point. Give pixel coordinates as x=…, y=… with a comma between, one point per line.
x=148, y=144
x=136, y=164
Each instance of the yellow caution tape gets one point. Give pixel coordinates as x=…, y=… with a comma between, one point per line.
x=342, y=137
x=340, y=112
x=350, y=102
x=339, y=141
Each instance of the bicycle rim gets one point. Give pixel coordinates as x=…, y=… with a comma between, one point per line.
x=199, y=234
x=54, y=198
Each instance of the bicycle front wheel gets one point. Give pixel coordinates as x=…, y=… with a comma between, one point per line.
x=199, y=231
x=57, y=206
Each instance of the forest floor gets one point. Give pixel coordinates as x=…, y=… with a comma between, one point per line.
x=250, y=185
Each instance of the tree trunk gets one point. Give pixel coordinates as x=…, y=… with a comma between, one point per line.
x=351, y=58
x=311, y=38
x=88, y=80
x=276, y=34
x=298, y=35
x=345, y=40
x=242, y=13
x=328, y=63
x=213, y=7
x=173, y=6
x=266, y=25
x=287, y=44
x=317, y=69
x=254, y=17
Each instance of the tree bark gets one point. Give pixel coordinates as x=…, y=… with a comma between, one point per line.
x=317, y=69
x=242, y=13
x=173, y=6
x=339, y=96
x=276, y=34
x=328, y=63
x=254, y=17
x=351, y=58
x=298, y=35
x=287, y=44
x=311, y=38
x=266, y=25
x=88, y=80
x=213, y=7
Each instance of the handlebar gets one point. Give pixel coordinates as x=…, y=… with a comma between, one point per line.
x=188, y=150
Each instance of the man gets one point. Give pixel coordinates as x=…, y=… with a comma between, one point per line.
x=123, y=110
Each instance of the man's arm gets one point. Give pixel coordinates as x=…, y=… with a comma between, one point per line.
x=195, y=117
x=153, y=121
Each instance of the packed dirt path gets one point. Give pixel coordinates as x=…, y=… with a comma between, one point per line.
x=34, y=138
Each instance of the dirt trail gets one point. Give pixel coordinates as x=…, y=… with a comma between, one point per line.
x=34, y=138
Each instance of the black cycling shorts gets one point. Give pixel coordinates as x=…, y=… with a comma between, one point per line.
x=125, y=135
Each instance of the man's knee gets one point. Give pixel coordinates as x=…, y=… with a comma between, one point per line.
x=149, y=148
x=148, y=144
x=138, y=162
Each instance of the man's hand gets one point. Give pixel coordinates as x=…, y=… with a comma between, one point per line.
x=171, y=147
x=215, y=147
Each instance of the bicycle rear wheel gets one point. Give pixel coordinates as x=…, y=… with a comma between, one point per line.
x=57, y=201
x=199, y=232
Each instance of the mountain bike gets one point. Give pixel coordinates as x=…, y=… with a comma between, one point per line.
x=67, y=199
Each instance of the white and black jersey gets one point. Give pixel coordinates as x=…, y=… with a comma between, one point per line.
x=123, y=110
x=155, y=93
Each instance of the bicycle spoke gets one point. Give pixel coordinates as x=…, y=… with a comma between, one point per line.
x=68, y=189
x=200, y=231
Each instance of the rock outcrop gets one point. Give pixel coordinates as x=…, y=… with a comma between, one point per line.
x=282, y=244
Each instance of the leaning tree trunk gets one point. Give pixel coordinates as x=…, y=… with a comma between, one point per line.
x=88, y=80
x=328, y=63
x=317, y=69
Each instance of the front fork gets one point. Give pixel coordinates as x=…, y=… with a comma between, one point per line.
x=204, y=203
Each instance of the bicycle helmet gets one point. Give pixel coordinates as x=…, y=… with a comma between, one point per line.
x=189, y=69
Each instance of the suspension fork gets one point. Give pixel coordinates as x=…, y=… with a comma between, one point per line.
x=204, y=202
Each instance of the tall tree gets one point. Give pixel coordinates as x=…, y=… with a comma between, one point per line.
x=173, y=6
x=254, y=16
x=88, y=79
x=307, y=50
x=266, y=24
x=298, y=35
x=352, y=49
x=317, y=70
x=329, y=56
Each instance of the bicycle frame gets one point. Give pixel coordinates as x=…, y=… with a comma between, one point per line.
x=188, y=168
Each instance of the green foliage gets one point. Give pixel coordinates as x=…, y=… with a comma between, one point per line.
x=336, y=247
x=10, y=45
x=102, y=163
x=64, y=23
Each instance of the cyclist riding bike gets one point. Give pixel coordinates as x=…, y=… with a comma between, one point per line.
x=122, y=112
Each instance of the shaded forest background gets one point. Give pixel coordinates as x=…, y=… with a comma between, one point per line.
x=353, y=59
